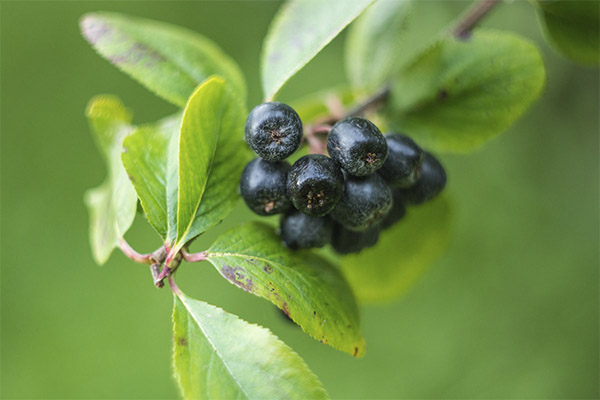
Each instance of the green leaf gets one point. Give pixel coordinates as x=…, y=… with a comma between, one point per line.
x=315, y=105
x=150, y=156
x=305, y=286
x=169, y=60
x=299, y=32
x=573, y=28
x=219, y=356
x=212, y=155
x=112, y=205
x=378, y=35
x=403, y=253
x=459, y=94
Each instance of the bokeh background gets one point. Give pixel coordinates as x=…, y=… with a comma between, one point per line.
x=510, y=311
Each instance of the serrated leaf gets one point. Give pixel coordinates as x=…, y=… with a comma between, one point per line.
x=573, y=28
x=375, y=42
x=217, y=355
x=299, y=32
x=112, y=205
x=402, y=254
x=305, y=286
x=212, y=155
x=169, y=60
x=461, y=93
x=150, y=156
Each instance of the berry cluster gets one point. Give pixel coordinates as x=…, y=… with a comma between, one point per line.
x=345, y=199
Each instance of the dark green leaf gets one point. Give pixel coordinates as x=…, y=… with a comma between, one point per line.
x=212, y=155
x=219, y=356
x=112, y=205
x=573, y=27
x=299, y=32
x=375, y=42
x=169, y=60
x=305, y=286
x=150, y=156
x=461, y=93
x=402, y=254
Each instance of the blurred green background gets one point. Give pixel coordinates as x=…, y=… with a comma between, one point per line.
x=510, y=311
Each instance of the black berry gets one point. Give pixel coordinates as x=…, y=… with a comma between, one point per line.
x=357, y=145
x=429, y=185
x=403, y=164
x=365, y=202
x=315, y=184
x=273, y=131
x=263, y=186
x=397, y=212
x=301, y=231
x=345, y=241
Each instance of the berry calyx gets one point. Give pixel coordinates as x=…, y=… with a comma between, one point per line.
x=263, y=186
x=403, y=164
x=357, y=145
x=429, y=185
x=315, y=184
x=301, y=231
x=365, y=202
x=273, y=131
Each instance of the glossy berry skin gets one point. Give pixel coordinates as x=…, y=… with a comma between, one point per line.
x=403, y=164
x=397, y=212
x=273, y=130
x=263, y=186
x=315, y=184
x=345, y=241
x=301, y=231
x=429, y=185
x=365, y=202
x=357, y=145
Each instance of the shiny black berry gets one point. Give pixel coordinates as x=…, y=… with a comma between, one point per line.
x=263, y=186
x=315, y=184
x=345, y=241
x=397, y=212
x=403, y=164
x=365, y=202
x=357, y=145
x=301, y=231
x=429, y=185
x=273, y=131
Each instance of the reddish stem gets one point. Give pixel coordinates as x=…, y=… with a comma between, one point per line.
x=194, y=257
x=134, y=255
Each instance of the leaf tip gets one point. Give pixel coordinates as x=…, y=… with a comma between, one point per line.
x=92, y=27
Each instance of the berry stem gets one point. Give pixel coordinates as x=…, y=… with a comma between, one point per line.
x=134, y=255
x=472, y=17
x=379, y=98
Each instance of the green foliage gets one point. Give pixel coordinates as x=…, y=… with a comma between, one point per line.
x=150, y=158
x=460, y=93
x=299, y=32
x=169, y=60
x=112, y=205
x=305, y=286
x=402, y=254
x=219, y=356
x=573, y=28
x=375, y=43
x=212, y=155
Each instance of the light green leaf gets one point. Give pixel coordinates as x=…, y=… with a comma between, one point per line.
x=212, y=155
x=169, y=60
x=150, y=156
x=375, y=42
x=403, y=253
x=298, y=32
x=112, y=205
x=461, y=93
x=220, y=356
x=573, y=27
x=305, y=286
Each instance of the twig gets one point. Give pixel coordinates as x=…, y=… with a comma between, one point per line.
x=134, y=255
x=315, y=144
x=472, y=17
x=194, y=257
x=374, y=101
